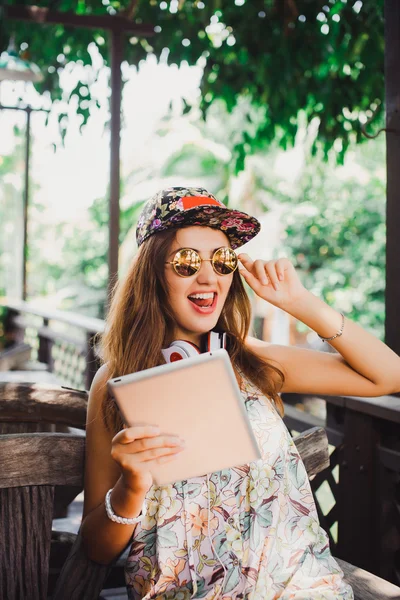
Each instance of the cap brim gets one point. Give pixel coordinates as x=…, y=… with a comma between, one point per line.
x=238, y=226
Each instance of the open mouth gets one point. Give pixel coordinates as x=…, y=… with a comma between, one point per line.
x=204, y=301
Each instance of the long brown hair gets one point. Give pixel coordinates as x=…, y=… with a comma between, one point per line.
x=140, y=323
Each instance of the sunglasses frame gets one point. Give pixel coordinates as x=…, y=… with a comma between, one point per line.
x=211, y=260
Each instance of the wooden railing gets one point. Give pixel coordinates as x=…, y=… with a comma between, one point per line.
x=63, y=341
x=357, y=497
x=363, y=478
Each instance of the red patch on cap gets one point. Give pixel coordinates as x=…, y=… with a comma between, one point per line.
x=192, y=201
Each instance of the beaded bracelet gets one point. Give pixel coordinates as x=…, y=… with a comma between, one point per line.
x=338, y=334
x=123, y=520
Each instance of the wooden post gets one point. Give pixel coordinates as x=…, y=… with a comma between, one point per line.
x=358, y=510
x=12, y=332
x=45, y=346
x=392, y=82
x=116, y=25
x=116, y=44
x=26, y=202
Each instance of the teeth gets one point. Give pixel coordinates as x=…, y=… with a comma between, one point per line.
x=207, y=296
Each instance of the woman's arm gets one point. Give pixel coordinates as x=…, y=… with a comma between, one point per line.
x=124, y=463
x=365, y=366
x=103, y=539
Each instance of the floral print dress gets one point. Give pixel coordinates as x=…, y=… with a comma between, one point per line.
x=261, y=520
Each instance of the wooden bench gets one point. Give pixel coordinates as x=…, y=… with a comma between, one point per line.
x=34, y=463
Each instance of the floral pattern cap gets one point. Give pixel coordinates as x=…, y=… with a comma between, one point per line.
x=181, y=206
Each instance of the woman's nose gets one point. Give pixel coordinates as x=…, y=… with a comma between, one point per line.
x=206, y=273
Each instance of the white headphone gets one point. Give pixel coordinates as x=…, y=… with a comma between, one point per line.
x=180, y=349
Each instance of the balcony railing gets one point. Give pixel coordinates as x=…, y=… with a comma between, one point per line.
x=357, y=497
x=63, y=341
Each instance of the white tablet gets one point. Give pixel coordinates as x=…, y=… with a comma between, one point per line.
x=197, y=399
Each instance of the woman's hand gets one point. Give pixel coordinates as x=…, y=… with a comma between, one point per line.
x=273, y=280
x=137, y=449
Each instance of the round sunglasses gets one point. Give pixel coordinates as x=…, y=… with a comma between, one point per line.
x=187, y=262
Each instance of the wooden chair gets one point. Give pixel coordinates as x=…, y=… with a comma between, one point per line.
x=32, y=464
x=35, y=464
x=32, y=407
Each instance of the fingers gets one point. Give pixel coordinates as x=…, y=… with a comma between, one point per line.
x=282, y=265
x=246, y=261
x=155, y=454
x=263, y=272
x=270, y=268
x=253, y=282
x=132, y=464
x=130, y=434
x=160, y=441
x=134, y=445
x=259, y=270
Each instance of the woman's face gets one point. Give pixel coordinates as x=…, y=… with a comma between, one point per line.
x=197, y=316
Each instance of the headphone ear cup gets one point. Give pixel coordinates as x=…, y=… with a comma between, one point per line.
x=178, y=350
x=216, y=340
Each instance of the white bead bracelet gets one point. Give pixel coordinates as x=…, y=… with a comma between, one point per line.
x=122, y=520
x=338, y=334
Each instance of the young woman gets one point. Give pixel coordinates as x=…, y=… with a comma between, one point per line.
x=247, y=532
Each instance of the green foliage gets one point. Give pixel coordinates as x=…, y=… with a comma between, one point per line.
x=334, y=230
x=11, y=210
x=336, y=235
x=77, y=275
x=325, y=59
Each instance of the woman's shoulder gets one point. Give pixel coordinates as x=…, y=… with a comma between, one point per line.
x=101, y=377
x=257, y=346
x=95, y=425
x=98, y=388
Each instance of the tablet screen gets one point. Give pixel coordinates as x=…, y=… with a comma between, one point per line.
x=197, y=399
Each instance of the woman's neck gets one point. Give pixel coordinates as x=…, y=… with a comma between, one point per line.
x=189, y=336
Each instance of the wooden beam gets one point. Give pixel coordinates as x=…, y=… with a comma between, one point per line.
x=25, y=250
x=24, y=403
x=43, y=16
x=88, y=324
x=312, y=446
x=367, y=586
x=41, y=459
x=392, y=82
x=116, y=45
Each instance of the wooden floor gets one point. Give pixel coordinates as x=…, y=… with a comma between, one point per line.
x=71, y=524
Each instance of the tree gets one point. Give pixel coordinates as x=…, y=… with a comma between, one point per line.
x=333, y=218
x=336, y=235
x=76, y=277
x=324, y=58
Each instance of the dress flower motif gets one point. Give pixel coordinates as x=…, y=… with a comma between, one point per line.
x=170, y=573
x=198, y=517
x=235, y=541
x=263, y=526
x=262, y=482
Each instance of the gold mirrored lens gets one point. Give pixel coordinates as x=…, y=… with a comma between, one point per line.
x=224, y=261
x=186, y=262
